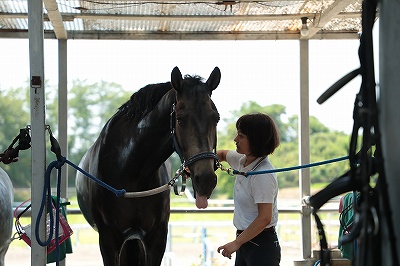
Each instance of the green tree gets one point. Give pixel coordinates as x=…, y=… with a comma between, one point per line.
x=284, y=156
x=276, y=111
x=315, y=126
x=14, y=104
x=326, y=146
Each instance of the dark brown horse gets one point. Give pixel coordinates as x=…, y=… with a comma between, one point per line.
x=131, y=154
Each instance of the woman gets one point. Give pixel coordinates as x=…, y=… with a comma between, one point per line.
x=255, y=196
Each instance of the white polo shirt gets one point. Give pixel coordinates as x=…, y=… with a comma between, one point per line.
x=261, y=188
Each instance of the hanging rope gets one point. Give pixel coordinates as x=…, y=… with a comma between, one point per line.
x=47, y=200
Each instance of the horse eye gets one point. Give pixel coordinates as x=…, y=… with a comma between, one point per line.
x=180, y=122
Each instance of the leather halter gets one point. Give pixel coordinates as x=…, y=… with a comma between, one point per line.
x=195, y=158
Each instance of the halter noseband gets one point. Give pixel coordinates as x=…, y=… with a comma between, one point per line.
x=195, y=158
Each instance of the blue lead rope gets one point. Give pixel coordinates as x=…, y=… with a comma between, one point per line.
x=117, y=192
x=246, y=174
x=47, y=201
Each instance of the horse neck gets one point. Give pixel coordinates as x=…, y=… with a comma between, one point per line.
x=156, y=125
x=154, y=141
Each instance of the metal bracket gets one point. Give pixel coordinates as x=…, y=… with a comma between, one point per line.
x=306, y=209
x=36, y=82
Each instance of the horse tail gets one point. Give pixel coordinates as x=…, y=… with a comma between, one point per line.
x=133, y=250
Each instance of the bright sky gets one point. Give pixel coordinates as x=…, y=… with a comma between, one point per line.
x=267, y=72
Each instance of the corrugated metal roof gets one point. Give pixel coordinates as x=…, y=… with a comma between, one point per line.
x=164, y=19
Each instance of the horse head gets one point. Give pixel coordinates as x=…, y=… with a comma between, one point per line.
x=196, y=119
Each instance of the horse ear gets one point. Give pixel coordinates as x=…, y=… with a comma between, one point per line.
x=176, y=79
x=214, y=79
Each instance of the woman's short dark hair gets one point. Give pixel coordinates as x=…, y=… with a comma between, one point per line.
x=261, y=131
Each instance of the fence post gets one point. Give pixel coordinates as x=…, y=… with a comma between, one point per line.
x=169, y=244
x=203, y=240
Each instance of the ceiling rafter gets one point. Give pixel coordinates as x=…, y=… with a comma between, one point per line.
x=186, y=19
x=325, y=17
x=55, y=18
x=277, y=17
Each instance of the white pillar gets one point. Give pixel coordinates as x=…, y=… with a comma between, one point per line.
x=62, y=114
x=62, y=111
x=304, y=148
x=389, y=108
x=37, y=100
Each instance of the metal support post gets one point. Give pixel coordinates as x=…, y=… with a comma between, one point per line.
x=63, y=114
x=37, y=101
x=304, y=146
x=388, y=103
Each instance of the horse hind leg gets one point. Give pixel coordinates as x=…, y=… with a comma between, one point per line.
x=4, y=245
x=3, y=251
x=133, y=251
x=2, y=255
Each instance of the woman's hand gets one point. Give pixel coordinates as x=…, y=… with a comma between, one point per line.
x=227, y=249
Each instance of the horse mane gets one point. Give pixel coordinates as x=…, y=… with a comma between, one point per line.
x=193, y=80
x=145, y=100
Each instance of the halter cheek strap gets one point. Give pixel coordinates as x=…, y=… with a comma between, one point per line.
x=172, y=124
x=195, y=158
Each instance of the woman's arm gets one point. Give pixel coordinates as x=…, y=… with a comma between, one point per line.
x=256, y=227
x=222, y=155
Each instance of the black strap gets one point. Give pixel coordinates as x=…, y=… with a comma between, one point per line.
x=24, y=142
x=200, y=156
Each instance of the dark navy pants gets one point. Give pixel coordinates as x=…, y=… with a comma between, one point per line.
x=263, y=250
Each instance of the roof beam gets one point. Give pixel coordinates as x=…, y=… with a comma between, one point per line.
x=320, y=20
x=99, y=35
x=178, y=2
x=55, y=18
x=72, y=16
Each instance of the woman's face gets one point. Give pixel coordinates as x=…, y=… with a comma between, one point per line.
x=242, y=143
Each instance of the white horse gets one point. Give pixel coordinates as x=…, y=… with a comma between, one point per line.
x=6, y=213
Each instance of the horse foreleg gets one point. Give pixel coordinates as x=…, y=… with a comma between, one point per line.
x=110, y=244
x=156, y=246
